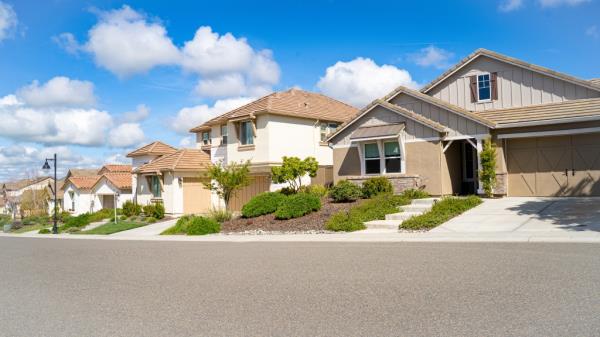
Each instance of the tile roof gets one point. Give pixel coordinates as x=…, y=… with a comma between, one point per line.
x=293, y=102
x=83, y=172
x=512, y=60
x=120, y=180
x=154, y=148
x=582, y=108
x=115, y=168
x=19, y=184
x=182, y=160
x=595, y=81
x=83, y=182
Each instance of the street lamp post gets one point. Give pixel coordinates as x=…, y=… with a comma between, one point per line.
x=46, y=167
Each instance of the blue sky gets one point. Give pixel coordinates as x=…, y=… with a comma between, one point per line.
x=93, y=79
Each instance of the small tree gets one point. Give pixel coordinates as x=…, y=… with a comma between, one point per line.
x=487, y=173
x=227, y=180
x=292, y=171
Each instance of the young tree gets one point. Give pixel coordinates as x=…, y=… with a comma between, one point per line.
x=227, y=180
x=292, y=171
x=487, y=174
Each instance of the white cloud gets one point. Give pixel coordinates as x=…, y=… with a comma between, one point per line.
x=59, y=91
x=361, y=80
x=432, y=56
x=510, y=5
x=125, y=135
x=190, y=117
x=125, y=43
x=557, y=3
x=117, y=158
x=141, y=113
x=8, y=20
x=593, y=31
x=68, y=42
x=187, y=142
x=222, y=86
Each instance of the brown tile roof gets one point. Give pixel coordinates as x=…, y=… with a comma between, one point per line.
x=19, y=184
x=120, y=180
x=293, y=102
x=154, y=148
x=115, y=168
x=83, y=172
x=182, y=160
x=584, y=109
x=83, y=182
x=595, y=81
x=512, y=60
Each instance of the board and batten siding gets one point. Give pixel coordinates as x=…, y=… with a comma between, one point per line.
x=458, y=125
x=516, y=87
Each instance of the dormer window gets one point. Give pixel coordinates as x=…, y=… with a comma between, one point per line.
x=327, y=129
x=206, y=138
x=484, y=88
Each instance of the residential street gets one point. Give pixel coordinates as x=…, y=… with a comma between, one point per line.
x=135, y=288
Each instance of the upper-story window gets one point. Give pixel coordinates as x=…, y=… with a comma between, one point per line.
x=224, y=134
x=484, y=88
x=246, y=133
x=327, y=129
x=206, y=138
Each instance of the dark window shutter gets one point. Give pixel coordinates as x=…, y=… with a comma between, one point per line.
x=473, y=86
x=494, y=84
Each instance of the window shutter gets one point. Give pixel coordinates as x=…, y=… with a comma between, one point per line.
x=494, y=84
x=473, y=86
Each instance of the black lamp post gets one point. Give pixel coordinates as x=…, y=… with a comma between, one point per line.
x=46, y=167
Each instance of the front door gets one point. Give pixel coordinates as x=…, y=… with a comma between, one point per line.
x=469, y=168
x=108, y=201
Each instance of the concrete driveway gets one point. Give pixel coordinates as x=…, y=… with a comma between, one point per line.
x=528, y=215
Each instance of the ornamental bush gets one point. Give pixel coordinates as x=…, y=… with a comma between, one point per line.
x=131, y=209
x=155, y=210
x=298, y=205
x=372, y=209
x=261, y=204
x=316, y=189
x=345, y=191
x=201, y=226
x=376, y=185
x=442, y=211
x=415, y=194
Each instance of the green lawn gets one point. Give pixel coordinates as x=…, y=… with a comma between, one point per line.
x=28, y=228
x=111, y=227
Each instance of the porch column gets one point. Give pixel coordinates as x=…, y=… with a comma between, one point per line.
x=479, y=148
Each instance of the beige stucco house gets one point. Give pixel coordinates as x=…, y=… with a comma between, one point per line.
x=545, y=124
x=288, y=123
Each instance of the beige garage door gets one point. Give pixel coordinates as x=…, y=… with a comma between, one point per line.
x=554, y=166
x=196, y=198
x=258, y=185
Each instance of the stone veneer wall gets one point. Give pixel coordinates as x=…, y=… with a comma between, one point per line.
x=400, y=182
x=501, y=184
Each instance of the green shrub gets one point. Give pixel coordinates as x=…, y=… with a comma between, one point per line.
x=79, y=221
x=155, y=210
x=415, y=194
x=298, y=205
x=201, y=226
x=345, y=191
x=123, y=217
x=441, y=212
x=44, y=231
x=35, y=220
x=180, y=226
x=376, y=185
x=150, y=219
x=219, y=215
x=102, y=214
x=261, y=204
x=316, y=189
x=372, y=209
x=130, y=208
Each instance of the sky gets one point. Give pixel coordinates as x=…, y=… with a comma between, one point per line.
x=92, y=80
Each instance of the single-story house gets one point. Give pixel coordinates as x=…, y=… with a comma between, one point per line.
x=545, y=125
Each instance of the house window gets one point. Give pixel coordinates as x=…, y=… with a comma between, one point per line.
x=155, y=186
x=372, y=159
x=223, y=134
x=327, y=129
x=72, y=196
x=206, y=138
x=392, y=157
x=246, y=133
x=484, y=89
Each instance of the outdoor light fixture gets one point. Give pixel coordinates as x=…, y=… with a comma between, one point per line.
x=46, y=167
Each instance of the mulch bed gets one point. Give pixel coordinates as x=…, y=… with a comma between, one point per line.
x=314, y=221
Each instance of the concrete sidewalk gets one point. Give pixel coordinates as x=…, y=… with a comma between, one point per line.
x=147, y=231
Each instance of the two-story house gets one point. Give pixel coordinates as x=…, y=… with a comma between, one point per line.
x=545, y=124
x=288, y=123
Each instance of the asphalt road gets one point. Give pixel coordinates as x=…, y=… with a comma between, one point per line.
x=132, y=288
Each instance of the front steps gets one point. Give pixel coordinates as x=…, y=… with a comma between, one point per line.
x=392, y=221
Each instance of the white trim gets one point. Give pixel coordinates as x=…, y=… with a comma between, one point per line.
x=447, y=146
x=344, y=146
x=487, y=100
x=471, y=142
x=479, y=148
x=477, y=136
x=549, y=133
x=416, y=140
x=549, y=122
x=374, y=138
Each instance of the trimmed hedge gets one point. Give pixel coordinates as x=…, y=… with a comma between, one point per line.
x=194, y=225
x=298, y=205
x=376, y=185
x=261, y=204
x=441, y=212
x=372, y=209
x=345, y=191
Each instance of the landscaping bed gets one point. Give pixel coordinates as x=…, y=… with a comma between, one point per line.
x=111, y=227
x=442, y=211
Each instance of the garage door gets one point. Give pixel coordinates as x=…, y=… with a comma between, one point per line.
x=196, y=198
x=554, y=166
x=258, y=185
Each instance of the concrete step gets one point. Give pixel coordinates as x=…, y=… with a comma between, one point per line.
x=415, y=208
x=426, y=201
x=402, y=215
x=383, y=224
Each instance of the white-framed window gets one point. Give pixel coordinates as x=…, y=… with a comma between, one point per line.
x=372, y=159
x=224, y=134
x=72, y=196
x=393, y=157
x=484, y=87
x=246, y=133
x=206, y=138
x=327, y=129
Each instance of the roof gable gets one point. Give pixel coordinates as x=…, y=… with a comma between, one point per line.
x=182, y=160
x=154, y=148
